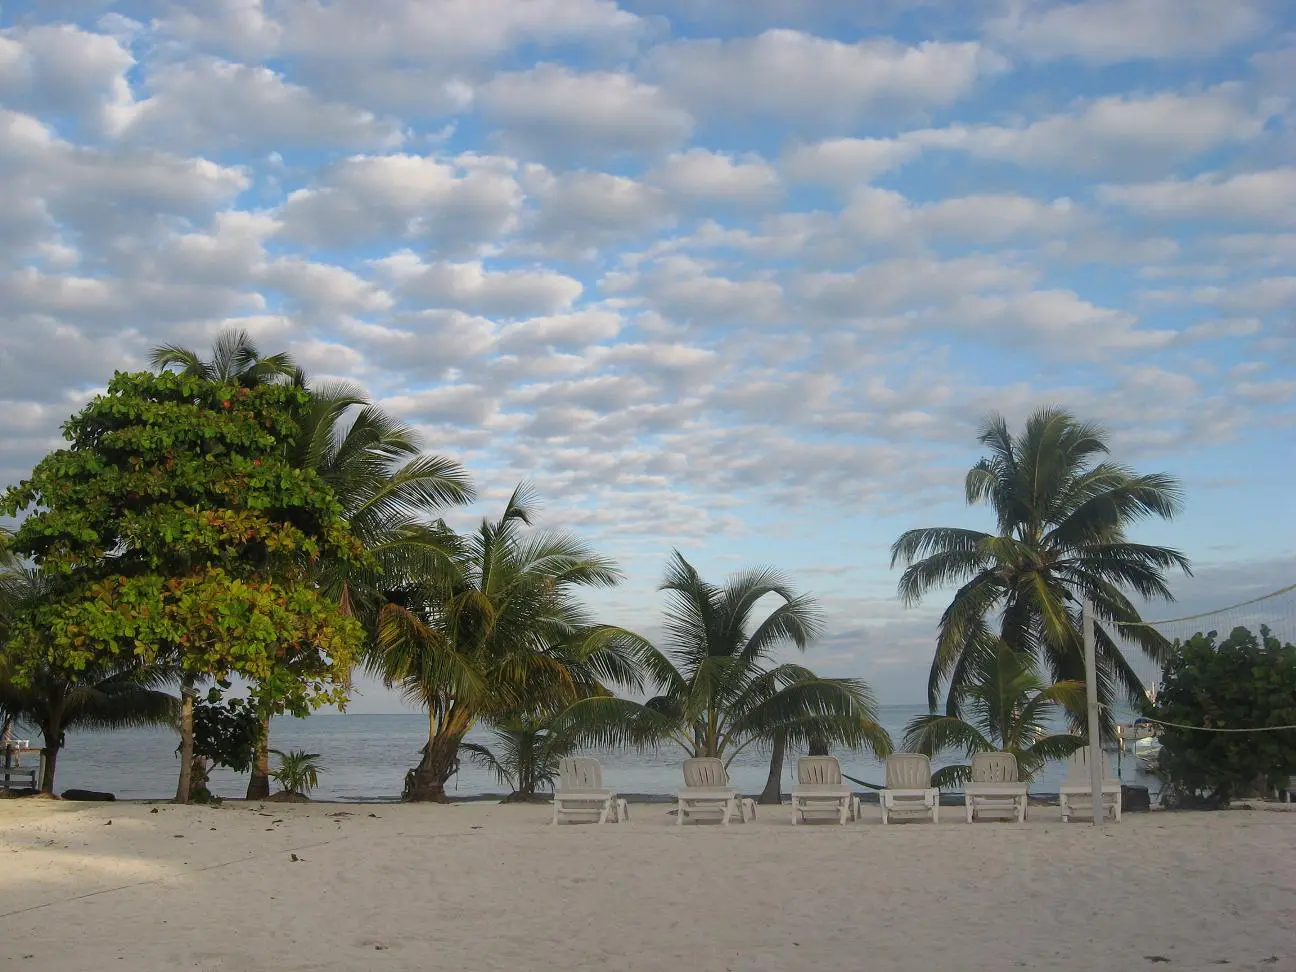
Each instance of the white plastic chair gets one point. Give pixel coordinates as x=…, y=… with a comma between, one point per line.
x=909, y=792
x=1075, y=796
x=994, y=787
x=820, y=790
x=707, y=792
x=580, y=792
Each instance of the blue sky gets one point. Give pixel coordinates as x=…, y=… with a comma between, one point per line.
x=734, y=277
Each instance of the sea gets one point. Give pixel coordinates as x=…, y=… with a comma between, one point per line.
x=364, y=758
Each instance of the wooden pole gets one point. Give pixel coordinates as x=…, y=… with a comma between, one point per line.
x=1091, y=691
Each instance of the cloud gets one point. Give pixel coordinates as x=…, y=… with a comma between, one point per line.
x=845, y=163
x=471, y=287
x=210, y=104
x=705, y=176
x=1109, y=31
x=816, y=82
x=1263, y=197
x=64, y=70
x=553, y=111
x=454, y=202
x=579, y=210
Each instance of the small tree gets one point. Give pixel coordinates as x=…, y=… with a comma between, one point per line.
x=179, y=532
x=298, y=771
x=1242, y=682
x=225, y=734
x=525, y=757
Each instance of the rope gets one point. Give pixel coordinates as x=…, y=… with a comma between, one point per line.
x=1206, y=614
x=1180, y=725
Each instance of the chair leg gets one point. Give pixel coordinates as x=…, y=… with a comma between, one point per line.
x=679, y=815
x=555, y=816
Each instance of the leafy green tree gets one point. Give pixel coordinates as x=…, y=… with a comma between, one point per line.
x=1063, y=511
x=719, y=690
x=111, y=693
x=503, y=636
x=1240, y=683
x=525, y=755
x=226, y=730
x=1007, y=708
x=178, y=533
x=392, y=493
x=298, y=771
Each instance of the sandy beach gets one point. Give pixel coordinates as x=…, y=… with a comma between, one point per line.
x=485, y=887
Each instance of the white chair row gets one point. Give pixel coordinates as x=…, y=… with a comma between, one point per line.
x=993, y=790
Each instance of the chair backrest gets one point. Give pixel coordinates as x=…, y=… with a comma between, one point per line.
x=819, y=771
x=908, y=771
x=580, y=773
x=1078, y=767
x=994, y=768
x=705, y=771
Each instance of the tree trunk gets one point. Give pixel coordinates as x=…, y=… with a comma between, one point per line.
x=773, y=792
x=187, y=695
x=818, y=746
x=51, y=760
x=258, y=787
x=426, y=782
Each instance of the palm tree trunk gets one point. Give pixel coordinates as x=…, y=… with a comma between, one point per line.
x=426, y=782
x=818, y=746
x=773, y=792
x=52, y=732
x=187, y=695
x=258, y=787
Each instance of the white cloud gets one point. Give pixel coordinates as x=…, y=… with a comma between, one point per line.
x=1264, y=197
x=65, y=70
x=554, y=111
x=706, y=176
x=845, y=163
x=370, y=197
x=214, y=104
x=579, y=329
x=584, y=209
x=814, y=81
x=1108, y=31
x=1120, y=132
x=471, y=287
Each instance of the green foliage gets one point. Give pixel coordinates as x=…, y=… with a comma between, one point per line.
x=525, y=755
x=175, y=529
x=1007, y=708
x=1062, y=511
x=500, y=634
x=36, y=690
x=298, y=771
x=718, y=691
x=225, y=730
x=1242, y=682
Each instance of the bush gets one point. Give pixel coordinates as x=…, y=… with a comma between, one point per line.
x=298, y=771
x=1242, y=682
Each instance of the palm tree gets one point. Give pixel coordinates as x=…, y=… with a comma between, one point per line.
x=525, y=757
x=504, y=637
x=110, y=695
x=1063, y=511
x=392, y=492
x=719, y=691
x=1008, y=708
x=235, y=358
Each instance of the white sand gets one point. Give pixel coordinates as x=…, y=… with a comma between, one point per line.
x=486, y=887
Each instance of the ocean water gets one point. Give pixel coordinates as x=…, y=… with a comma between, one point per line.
x=365, y=757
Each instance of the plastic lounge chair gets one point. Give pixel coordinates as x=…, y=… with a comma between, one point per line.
x=909, y=792
x=580, y=792
x=821, y=791
x=707, y=792
x=994, y=787
x=1075, y=796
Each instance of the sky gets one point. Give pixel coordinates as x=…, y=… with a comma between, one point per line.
x=733, y=277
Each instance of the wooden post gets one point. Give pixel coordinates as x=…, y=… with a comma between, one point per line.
x=1091, y=691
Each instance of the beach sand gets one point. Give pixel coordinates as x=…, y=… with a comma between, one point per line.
x=485, y=887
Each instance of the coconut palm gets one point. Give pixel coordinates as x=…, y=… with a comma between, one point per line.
x=110, y=695
x=525, y=755
x=719, y=689
x=1007, y=708
x=504, y=636
x=1063, y=511
x=392, y=492
x=298, y=771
